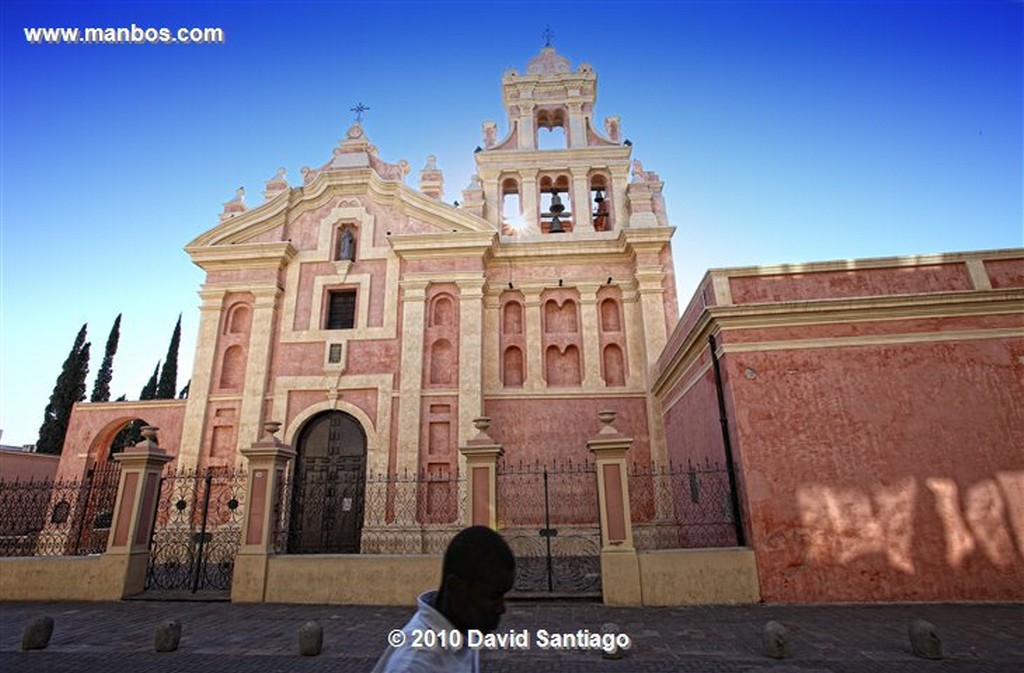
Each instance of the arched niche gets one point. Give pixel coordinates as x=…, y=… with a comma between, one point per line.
x=512, y=318
x=239, y=320
x=614, y=365
x=232, y=368
x=443, y=363
x=563, y=367
x=512, y=367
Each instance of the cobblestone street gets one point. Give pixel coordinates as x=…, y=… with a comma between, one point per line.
x=227, y=638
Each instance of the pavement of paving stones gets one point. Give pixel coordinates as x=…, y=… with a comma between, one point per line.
x=221, y=637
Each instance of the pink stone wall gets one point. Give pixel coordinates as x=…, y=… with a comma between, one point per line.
x=1004, y=273
x=537, y=429
x=880, y=328
x=27, y=466
x=693, y=432
x=888, y=472
x=848, y=284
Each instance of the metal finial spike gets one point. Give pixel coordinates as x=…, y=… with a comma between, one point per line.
x=359, y=109
x=548, y=34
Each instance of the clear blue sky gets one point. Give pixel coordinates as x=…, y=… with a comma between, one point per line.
x=784, y=132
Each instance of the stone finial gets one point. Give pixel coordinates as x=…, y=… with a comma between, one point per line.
x=275, y=185
x=490, y=134
x=611, y=128
x=482, y=423
x=473, y=196
x=607, y=417
x=235, y=206
x=355, y=132
x=167, y=636
x=775, y=640
x=311, y=638
x=432, y=179
x=271, y=428
x=638, y=171
x=149, y=439
x=37, y=633
x=925, y=643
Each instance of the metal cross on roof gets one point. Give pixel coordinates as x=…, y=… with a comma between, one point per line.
x=548, y=34
x=359, y=109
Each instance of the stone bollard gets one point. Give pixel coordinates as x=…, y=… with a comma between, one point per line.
x=37, y=633
x=168, y=636
x=615, y=652
x=311, y=638
x=924, y=641
x=775, y=640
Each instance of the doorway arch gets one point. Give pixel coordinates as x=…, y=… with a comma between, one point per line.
x=329, y=486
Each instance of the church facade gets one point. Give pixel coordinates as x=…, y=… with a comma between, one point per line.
x=376, y=322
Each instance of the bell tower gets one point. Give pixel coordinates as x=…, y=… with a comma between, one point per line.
x=554, y=173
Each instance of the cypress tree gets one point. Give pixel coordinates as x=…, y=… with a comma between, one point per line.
x=101, y=388
x=69, y=388
x=168, y=384
x=183, y=393
x=149, y=390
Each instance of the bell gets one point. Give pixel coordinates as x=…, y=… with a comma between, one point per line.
x=556, y=226
x=599, y=197
x=556, y=204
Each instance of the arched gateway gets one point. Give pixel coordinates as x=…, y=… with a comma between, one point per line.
x=329, y=486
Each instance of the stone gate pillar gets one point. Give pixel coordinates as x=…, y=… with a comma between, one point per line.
x=268, y=460
x=482, y=456
x=620, y=567
x=137, y=497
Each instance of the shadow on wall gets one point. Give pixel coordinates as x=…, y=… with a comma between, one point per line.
x=844, y=524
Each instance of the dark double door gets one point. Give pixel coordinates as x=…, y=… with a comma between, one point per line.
x=329, y=486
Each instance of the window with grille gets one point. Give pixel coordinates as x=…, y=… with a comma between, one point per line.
x=341, y=309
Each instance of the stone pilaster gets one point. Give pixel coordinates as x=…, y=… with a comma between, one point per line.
x=529, y=199
x=210, y=312
x=258, y=366
x=577, y=130
x=492, y=202
x=414, y=295
x=591, y=335
x=620, y=181
x=267, y=463
x=652, y=307
x=135, y=511
x=527, y=132
x=471, y=351
x=534, y=355
x=581, y=220
x=482, y=454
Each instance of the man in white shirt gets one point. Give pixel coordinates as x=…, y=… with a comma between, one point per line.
x=477, y=571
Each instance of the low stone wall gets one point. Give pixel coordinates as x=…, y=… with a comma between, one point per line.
x=355, y=579
x=699, y=576
x=61, y=578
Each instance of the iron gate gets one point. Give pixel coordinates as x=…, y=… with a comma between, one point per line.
x=197, y=531
x=549, y=516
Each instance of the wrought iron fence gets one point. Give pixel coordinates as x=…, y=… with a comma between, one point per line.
x=549, y=514
x=676, y=507
x=347, y=513
x=58, y=518
x=197, y=530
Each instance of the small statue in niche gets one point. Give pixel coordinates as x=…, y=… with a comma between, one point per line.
x=348, y=245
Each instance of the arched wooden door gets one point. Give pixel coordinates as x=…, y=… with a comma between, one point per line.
x=330, y=480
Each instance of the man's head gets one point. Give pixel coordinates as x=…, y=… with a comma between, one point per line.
x=477, y=572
